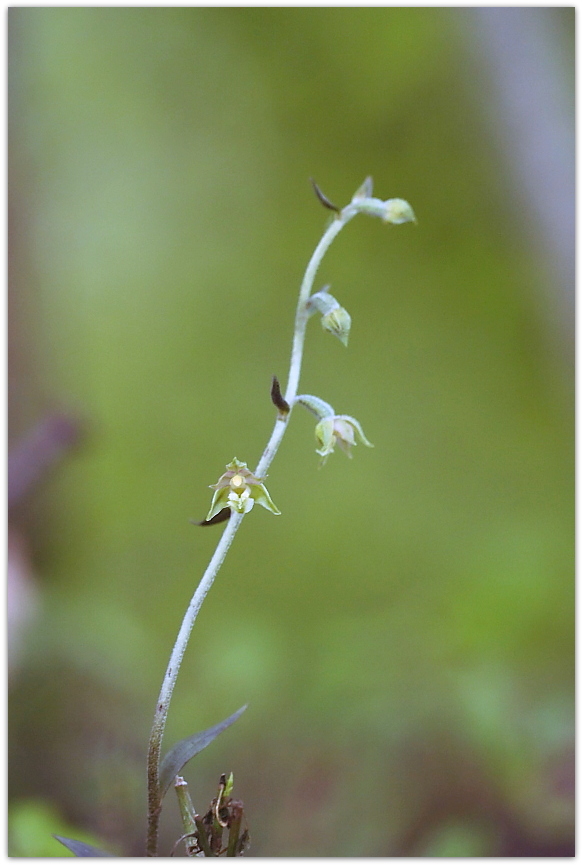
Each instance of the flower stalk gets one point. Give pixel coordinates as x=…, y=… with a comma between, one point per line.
x=242, y=488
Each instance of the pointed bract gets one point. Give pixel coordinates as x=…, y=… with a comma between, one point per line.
x=364, y=190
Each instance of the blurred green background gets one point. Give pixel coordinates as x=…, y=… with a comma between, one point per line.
x=403, y=633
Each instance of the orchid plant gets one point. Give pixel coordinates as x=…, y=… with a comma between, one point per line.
x=237, y=490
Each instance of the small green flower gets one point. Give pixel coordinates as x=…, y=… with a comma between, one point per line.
x=338, y=429
x=239, y=490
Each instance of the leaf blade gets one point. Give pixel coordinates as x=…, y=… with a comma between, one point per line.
x=184, y=750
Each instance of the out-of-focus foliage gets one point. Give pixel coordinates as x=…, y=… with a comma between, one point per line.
x=403, y=633
x=32, y=826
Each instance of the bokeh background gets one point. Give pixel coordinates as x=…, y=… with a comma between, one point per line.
x=403, y=633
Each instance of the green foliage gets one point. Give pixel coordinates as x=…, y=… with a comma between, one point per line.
x=31, y=825
x=460, y=840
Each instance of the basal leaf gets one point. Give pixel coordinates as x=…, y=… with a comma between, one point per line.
x=81, y=849
x=186, y=749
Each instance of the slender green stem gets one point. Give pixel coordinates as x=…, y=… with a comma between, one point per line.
x=161, y=714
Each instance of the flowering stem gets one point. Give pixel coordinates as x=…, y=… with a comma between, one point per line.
x=302, y=312
x=302, y=316
x=235, y=520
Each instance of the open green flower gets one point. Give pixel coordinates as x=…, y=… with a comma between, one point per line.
x=239, y=490
x=338, y=429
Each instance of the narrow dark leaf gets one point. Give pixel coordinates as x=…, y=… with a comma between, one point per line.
x=277, y=397
x=183, y=751
x=81, y=849
x=223, y=515
x=322, y=198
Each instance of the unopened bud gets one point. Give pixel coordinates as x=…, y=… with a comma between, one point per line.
x=335, y=319
x=398, y=211
x=338, y=322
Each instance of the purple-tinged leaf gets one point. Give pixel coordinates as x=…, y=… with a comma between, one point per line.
x=184, y=750
x=81, y=849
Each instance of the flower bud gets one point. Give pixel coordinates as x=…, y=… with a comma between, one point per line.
x=338, y=322
x=398, y=211
x=335, y=319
